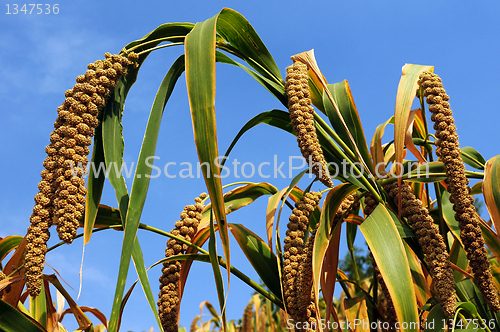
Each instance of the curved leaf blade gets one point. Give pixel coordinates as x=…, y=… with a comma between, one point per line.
x=471, y=157
x=382, y=237
x=142, y=176
x=259, y=255
x=11, y=320
x=376, y=147
x=214, y=260
x=200, y=80
x=238, y=198
x=272, y=206
x=407, y=90
x=275, y=118
x=234, y=28
x=327, y=237
x=9, y=243
x=343, y=97
x=491, y=189
x=153, y=38
x=277, y=89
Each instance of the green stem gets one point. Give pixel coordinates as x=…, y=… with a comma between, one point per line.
x=474, y=175
x=345, y=288
x=222, y=263
x=355, y=266
x=161, y=232
x=78, y=236
x=15, y=271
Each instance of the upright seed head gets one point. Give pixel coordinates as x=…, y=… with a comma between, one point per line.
x=247, y=325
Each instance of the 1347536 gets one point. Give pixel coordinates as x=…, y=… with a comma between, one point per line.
x=32, y=8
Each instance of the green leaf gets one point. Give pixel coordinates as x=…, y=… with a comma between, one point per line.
x=143, y=277
x=241, y=197
x=467, y=291
x=275, y=118
x=214, y=260
x=351, y=230
x=477, y=188
x=420, y=283
x=107, y=217
x=342, y=95
x=200, y=80
x=326, y=233
x=234, y=28
x=140, y=187
x=382, y=237
x=472, y=158
x=12, y=320
x=277, y=89
x=407, y=89
x=459, y=258
x=469, y=307
x=428, y=172
x=113, y=145
x=259, y=255
x=491, y=189
x=449, y=214
x=491, y=239
x=38, y=307
x=153, y=38
x=9, y=243
x=376, y=147
x=436, y=320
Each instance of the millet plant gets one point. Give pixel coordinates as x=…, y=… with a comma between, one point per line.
x=435, y=260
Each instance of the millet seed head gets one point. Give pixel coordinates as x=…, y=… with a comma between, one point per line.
x=432, y=244
x=302, y=119
x=448, y=151
x=73, y=129
x=168, y=298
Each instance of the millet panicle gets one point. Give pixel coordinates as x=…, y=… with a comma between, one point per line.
x=431, y=242
x=293, y=253
x=247, y=324
x=61, y=197
x=302, y=116
x=448, y=151
x=297, y=265
x=186, y=228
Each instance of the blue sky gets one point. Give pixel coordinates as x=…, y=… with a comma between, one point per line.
x=364, y=42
